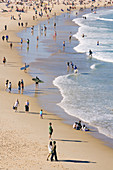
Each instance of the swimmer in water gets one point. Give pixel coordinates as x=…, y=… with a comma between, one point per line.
x=97, y=42
x=63, y=44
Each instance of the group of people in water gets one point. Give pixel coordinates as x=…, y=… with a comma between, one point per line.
x=73, y=67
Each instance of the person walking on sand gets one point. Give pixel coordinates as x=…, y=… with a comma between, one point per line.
x=10, y=87
x=16, y=105
x=6, y=84
x=11, y=45
x=4, y=60
x=54, y=153
x=7, y=37
x=50, y=130
x=50, y=148
x=22, y=86
x=21, y=41
x=27, y=106
x=41, y=114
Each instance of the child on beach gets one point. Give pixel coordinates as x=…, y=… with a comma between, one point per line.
x=41, y=114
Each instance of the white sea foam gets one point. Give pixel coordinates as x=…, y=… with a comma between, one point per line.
x=76, y=103
x=105, y=19
x=95, y=31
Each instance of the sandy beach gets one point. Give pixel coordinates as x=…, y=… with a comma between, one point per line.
x=24, y=136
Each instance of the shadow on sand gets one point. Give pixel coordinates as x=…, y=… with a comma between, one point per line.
x=66, y=140
x=75, y=161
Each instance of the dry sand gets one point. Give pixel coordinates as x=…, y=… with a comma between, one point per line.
x=24, y=136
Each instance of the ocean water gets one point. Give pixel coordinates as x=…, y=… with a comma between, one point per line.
x=88, y=95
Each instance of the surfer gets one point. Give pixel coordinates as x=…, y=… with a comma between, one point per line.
x=36, y=83
x=83, y=35
x=90, y=53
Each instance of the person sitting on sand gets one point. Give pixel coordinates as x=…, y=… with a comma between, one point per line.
x=79, y=125
x=84, y=128
x=74, y=125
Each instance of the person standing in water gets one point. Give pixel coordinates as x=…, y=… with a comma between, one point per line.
x=90, y=53
x=75, y=69
x=68, y=66
x=22, y=86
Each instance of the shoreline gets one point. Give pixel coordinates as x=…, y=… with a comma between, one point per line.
x=64, y=115
x=31, y=135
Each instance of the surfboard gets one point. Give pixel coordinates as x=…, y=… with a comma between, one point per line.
x=37, y=80
x=23, y=68
x=62, y=10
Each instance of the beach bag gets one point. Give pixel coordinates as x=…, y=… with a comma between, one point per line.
x=14, y=107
